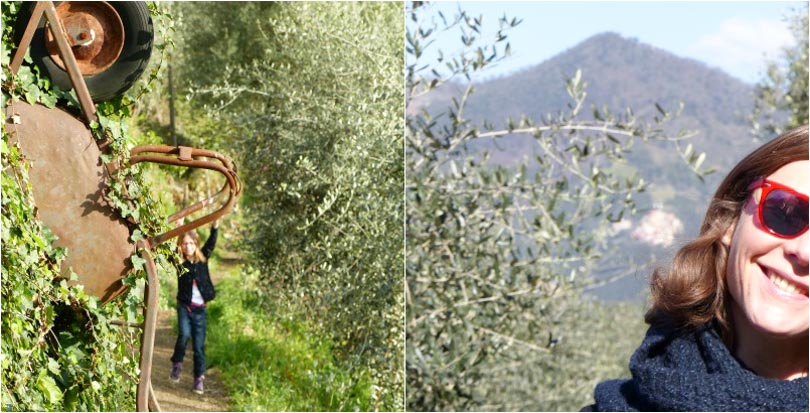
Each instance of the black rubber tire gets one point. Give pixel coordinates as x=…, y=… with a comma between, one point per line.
x=118, y=78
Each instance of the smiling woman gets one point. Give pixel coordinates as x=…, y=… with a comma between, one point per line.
x=767, y=275
x=729, y=320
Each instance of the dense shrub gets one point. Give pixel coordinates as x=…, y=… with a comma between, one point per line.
x=309, y=96
x=498, y=255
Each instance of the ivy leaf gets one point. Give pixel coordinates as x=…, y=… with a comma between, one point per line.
x=137, y=263
x=32, y=95
x=53, y=366
x=48, y=100
x=49, y=389
x=137, y=235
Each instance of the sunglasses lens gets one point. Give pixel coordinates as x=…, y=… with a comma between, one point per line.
x=785, y=213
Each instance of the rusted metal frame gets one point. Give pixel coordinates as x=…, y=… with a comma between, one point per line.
x=183, y=150
x=66, y=53
x=197, y=205
x=28, y=34
x=126, y=324
x=232, y=182
x=145, y=397
x=148, y=337
x=153, y=402
x=185, y=157
x=186, y=154
x=229, y=173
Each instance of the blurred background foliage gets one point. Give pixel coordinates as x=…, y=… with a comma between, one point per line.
x=500, y=253
x=781, y=97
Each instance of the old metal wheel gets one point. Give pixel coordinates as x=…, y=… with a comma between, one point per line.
x=112, y=42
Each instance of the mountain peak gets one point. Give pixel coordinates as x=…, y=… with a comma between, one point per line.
x=624, y=72
x=605, y=37
x=608, y=59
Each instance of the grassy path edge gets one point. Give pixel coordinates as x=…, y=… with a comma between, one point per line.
x=269, y=362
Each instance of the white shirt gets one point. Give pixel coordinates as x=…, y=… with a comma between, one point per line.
x=196, y=297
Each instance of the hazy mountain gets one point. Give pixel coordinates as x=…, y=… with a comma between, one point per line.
x=622, y=73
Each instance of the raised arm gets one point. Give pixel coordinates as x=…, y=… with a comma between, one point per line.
x=208, y=248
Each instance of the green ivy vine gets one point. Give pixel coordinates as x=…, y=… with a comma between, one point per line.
x=60, y=350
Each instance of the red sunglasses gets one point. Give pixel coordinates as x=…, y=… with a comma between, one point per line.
x=781, y=210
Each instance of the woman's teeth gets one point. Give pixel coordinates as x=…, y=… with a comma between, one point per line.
x=785, y=286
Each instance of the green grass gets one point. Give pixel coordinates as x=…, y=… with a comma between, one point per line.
x=270, y=362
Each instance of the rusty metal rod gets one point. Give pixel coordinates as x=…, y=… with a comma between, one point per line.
x=145, y=394
x=230, y=175
x=196, y=206
x=225, y=167
x=153, y=401
x=177, y=162
x=66, y=53
x=19, y=55
x=176, y=150
x=148, y=337
x=126, y=324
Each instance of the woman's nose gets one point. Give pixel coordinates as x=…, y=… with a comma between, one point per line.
x=797, y=251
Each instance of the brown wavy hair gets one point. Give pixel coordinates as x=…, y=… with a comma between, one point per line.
x=693, y=291
x=198, y=255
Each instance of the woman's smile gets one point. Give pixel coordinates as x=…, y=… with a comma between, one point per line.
x=784, y=285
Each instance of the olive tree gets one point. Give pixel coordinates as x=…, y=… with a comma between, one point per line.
x=497, y=255
x=309, y=96
x=781, y=96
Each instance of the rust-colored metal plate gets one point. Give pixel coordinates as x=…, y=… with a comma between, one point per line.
x=68, y=179
x=95, y=33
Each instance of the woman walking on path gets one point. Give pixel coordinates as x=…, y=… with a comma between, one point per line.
x=194, y=291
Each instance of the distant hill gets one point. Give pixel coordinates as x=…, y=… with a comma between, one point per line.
x=622, y=73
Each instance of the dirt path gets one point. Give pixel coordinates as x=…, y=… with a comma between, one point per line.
x=178, y=397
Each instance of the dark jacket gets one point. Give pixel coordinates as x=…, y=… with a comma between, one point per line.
x=197, y=271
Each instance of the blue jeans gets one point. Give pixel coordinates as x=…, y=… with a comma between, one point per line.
x=191, y=324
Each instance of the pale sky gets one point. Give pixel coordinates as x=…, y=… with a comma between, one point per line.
x=734, y=36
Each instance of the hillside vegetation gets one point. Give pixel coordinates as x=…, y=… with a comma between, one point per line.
x=622, y=73
x=512, y=192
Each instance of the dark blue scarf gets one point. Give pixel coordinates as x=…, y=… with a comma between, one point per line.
x=695, y=372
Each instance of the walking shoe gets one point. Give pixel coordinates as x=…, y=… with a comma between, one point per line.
x=198, y=385
x=176, y=367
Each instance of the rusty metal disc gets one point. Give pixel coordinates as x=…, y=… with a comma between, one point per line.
x=68, y=182
x=95, y=33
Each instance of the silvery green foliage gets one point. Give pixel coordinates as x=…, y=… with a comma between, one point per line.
x=498, y=254
x=781, y=96
x=309, y=96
